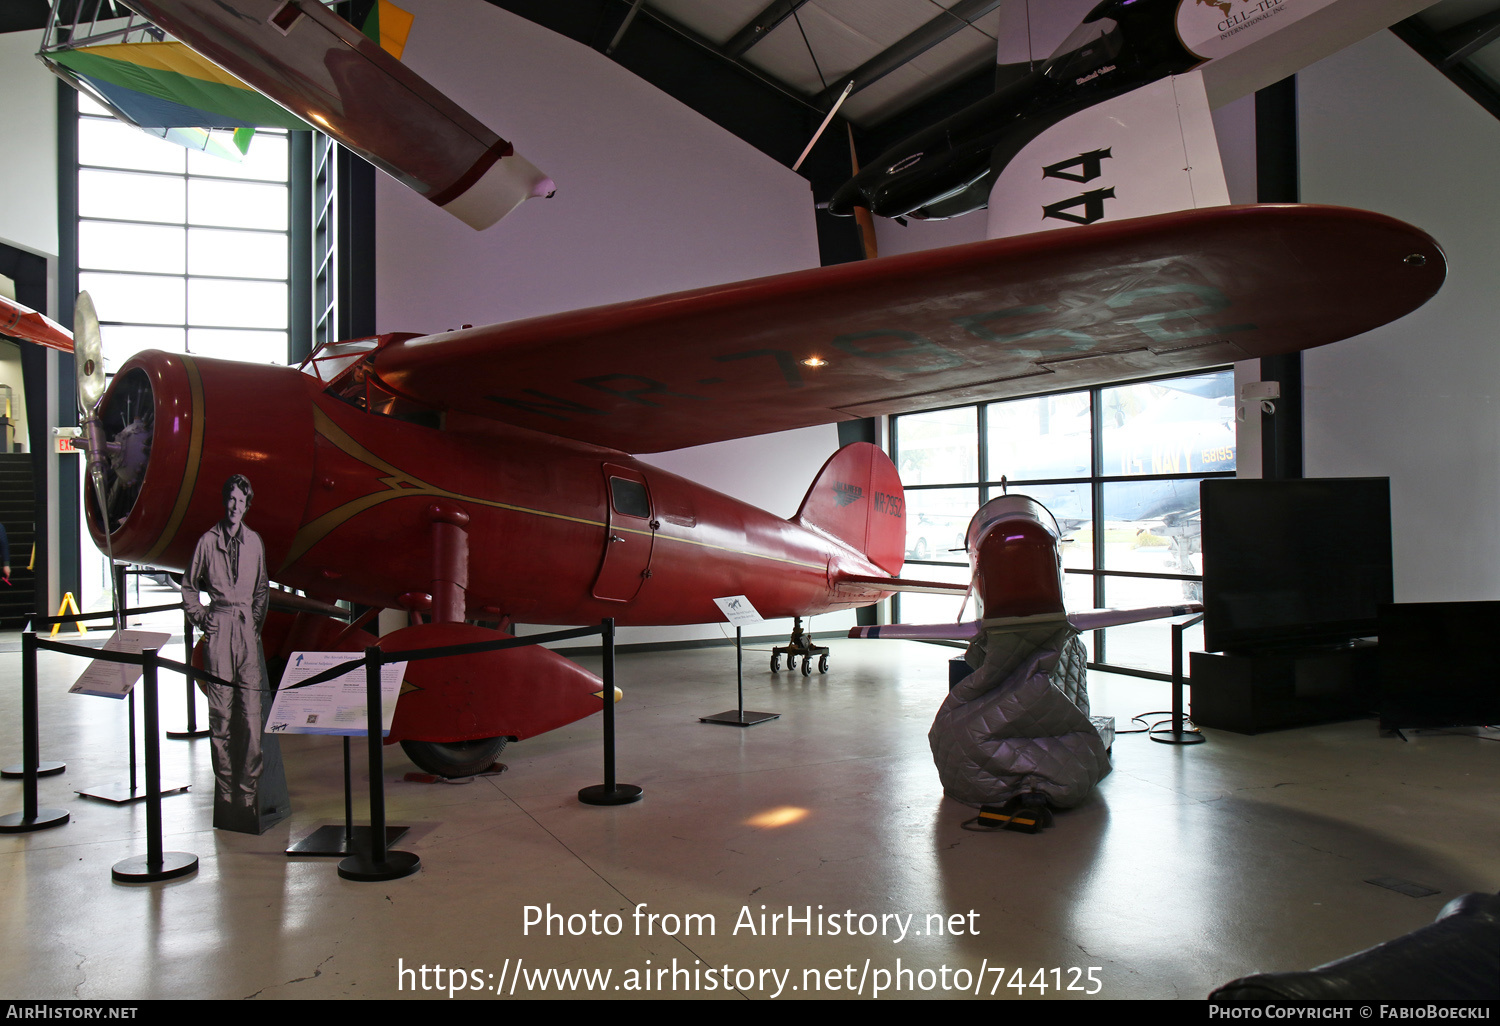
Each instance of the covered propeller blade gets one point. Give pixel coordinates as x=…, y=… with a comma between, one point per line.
x=88, y=352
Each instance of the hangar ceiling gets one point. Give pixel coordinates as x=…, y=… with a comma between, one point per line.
x=770, y=70
x=900, y=53
x=897, y=53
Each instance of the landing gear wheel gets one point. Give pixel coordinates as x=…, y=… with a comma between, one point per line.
x=822, y=664
x=455, y=758
x=775, y=661
x=807, y=666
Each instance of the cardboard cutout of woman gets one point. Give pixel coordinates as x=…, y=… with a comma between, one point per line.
x=229, y=565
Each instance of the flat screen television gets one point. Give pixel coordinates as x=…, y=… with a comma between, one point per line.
x=1290, y=563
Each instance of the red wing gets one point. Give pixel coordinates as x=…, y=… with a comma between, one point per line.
x=323, y=69
x=24, y=323
x=1060, y=309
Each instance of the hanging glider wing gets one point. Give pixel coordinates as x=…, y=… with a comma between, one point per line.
x=167, y=85
x=329, y=74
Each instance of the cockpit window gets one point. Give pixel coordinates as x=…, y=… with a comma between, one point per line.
x=334, y=358
x=629, y=497
x=1089, y=47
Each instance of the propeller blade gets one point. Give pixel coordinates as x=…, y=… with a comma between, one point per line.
x=88, y=351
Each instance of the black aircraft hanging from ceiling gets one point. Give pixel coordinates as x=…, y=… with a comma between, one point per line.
x=1120, y=46
x=947, y=170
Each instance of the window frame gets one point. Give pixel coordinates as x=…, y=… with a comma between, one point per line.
x=1096, y=480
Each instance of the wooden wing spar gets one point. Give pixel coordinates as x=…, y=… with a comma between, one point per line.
x=22, y=322
x=1063, y=309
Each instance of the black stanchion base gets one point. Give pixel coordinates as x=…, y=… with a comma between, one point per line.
x=186, y=735
x=739, y=718
x=621, y=794
x=19, y=823
x=123, y=794
x=331, y=841
x=1178, y=737
x=46, y=769
x=396, y=865
x=139, y=869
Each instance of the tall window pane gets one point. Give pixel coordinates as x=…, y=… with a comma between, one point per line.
x=1179, y=426
x=938, y=448
x=1118, y=466
x=1045, y=437
x=183, y=250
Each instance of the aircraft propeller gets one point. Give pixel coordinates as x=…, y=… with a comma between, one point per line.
x=88, y=356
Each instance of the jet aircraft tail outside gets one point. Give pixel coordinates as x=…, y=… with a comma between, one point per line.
x=857, y=498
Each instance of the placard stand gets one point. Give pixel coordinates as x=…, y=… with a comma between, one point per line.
x=124, y=794
x=738, y=717
x=338, y=841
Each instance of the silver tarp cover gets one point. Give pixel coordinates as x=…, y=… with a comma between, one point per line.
x=1020, y=722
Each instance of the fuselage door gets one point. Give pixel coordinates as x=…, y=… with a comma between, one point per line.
x=629, y=536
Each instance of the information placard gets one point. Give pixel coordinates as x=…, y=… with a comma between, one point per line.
x=334, y=706
x=738, y=610
x=105, y=679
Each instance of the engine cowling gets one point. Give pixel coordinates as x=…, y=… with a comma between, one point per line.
x=179, y=427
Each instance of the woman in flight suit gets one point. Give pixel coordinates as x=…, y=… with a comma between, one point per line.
x=229, y=564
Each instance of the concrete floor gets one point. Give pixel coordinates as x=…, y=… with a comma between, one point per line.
x=1187, y=868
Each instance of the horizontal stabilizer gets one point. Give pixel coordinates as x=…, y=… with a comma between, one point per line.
x=1094, y=619
x=846, y=582
x=1088, y=620
x=920, y=632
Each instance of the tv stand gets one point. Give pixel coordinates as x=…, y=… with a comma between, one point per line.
x=1270, y=689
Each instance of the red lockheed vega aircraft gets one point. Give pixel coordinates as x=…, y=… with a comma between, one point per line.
x=484, y=474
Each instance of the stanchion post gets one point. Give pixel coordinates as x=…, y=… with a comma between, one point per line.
x=610, y=792
x=377, y=863
x=42, y=769
x=130, y=727
x=348, y=798
x=377, y=757
x=30, y=817
x=158, y=864
x=189, y=642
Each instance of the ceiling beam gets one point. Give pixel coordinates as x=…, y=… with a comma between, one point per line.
x=1473, y=35
x=760, y=26
x=953, y=20
x=1414, y=33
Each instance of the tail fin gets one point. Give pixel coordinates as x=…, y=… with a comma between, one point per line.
x=857, y=498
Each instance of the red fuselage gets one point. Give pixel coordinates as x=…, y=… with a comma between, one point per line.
x=482, y=520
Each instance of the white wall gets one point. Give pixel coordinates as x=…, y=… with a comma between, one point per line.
x=28, y=124
x=651, y=198
x=1414, y=400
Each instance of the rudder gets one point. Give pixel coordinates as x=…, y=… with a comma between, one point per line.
x=857, y=498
